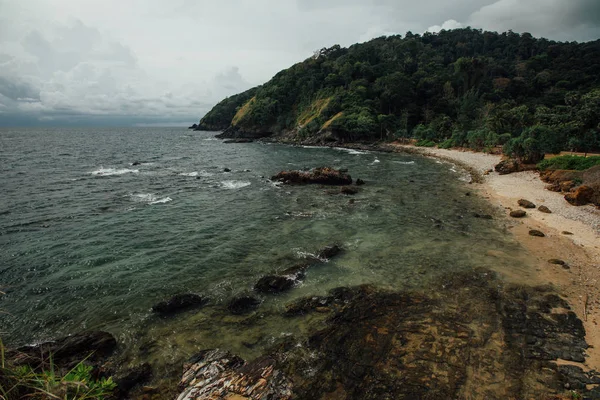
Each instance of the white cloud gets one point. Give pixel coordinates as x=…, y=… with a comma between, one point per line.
x=447, y=25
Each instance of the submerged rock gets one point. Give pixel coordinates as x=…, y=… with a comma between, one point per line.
x=239, y=140
x=130, y=378
x=178, y=303
x=67, y=351
x=359, y=182
x=243, y=305
x=275, y=283
x=328, y=252
x=322, y=176
x=526, y=203
x=348, y=190
x=518, y=213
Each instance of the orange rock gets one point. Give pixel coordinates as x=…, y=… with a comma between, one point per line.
x=582, y=196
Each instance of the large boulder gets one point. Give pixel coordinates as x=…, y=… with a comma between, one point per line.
x=67, y=351
x=526, y=203
x=507, y=166
x=243, y=304
x=328, y=252
x=581, y=196
x=322, y=176
x=178, y=303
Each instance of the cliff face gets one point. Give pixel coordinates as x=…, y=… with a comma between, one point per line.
x=219, y=118
x=476, y=88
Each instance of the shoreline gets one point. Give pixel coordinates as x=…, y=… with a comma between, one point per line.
x=580, y=250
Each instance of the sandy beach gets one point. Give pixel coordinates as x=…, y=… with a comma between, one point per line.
x=580, y=250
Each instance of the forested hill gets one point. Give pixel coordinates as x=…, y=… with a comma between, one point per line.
x=459, y=87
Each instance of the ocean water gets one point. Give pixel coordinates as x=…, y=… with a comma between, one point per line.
x=88, y=240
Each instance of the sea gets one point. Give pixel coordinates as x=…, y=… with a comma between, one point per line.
x=99, y=224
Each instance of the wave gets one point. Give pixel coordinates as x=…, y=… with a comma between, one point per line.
x=352, y=151
x=149, y=198
x=234, y=184
x=195, y=173
x=375, y=161
x=113, y=171
x=404, y=162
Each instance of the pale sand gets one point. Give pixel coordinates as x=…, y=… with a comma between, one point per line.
x=581, y=250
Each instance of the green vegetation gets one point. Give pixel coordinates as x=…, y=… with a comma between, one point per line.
x=578, y=163
x=221, y=116
x=463, y=87
x=20, y=382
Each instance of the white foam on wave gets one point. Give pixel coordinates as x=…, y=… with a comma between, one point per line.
x=352, y=151
x=113, y=171
x=234, y=184
x=375, y=161
x=195, y=173
x=149, y=198
x=404, y=162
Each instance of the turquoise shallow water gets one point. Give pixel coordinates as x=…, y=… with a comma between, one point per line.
x=89, y=241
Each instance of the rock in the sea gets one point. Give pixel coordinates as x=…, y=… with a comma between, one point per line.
x=582, y=196
x=544, y=209
x=535, y=232
x=526, y=203
x=274, y=284
x=69, y=350
x=556, y=261
x=518, y=213
x=136, y=163
x=240, y=140
x=218, y=374
x=348, y=190
x=130, y=378
x=226, y=170
x=360, y=182
x=194, y=126
x=243, y=304
x=328, y=252
x=322, y=176
x=179, y=302
x=483, y=216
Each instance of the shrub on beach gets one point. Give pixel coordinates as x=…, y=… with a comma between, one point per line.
x=572, y=162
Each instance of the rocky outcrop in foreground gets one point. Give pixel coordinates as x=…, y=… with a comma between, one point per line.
x=469, y=337
x=321, y=176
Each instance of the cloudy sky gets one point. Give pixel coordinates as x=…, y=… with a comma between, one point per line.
x=124, y=62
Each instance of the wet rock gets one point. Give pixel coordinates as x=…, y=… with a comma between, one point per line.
x=322, y=176
x=544, y=209
x=518, y=213
x=131, y=378
x=178, y=303
x=556, y=261
x=136, y=163
x=274, y=284
x=226, y=170
x=67, y=351
x=359, y=182
x=526, y=203
x=194, y=126
x=348, y=190
x=217, y=374
x=239, y=140
x=535, y=232
x=243, y=305
x=328, y=252
x=582, y=196
x=482, y=216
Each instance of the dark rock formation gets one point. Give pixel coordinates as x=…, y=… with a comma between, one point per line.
x=239, y=140
x=526, y=203
x=217, y=374
x=130, y=378
x=582, y=196
x=507, y=166
x=178, y=303
x=322, y=176
x=518, y=213
x=535, y=232
x=243, y=305
x=469, y=337
x=483, y=216
x=136, y=163
x=544, y=209
x=556, y=261
x=226, y=170
x=194, y=126
x=329, y=251
x=348, y=190
x=67, y=351
x=359, y=182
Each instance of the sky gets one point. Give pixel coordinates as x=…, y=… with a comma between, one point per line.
x=167, y=62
